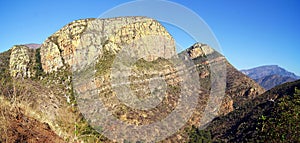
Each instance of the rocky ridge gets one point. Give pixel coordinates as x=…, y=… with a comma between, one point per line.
x=238, y=86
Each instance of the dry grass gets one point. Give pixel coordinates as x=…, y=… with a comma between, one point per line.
x=45, y=104
x=4, y=125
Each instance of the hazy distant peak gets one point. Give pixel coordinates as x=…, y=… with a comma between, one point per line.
x=262, y=71
x=33, y=45
x=269, y=76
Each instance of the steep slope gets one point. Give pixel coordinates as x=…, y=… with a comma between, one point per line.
x=16, y=122
x=17, y=127
x=239, y=88
x=271, y=117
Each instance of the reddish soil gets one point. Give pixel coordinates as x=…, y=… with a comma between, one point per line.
x=28, y=130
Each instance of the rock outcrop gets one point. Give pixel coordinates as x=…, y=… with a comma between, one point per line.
x=24, y=62
x=20, y=61
x=59, y=48
x=84, y=40
x=200, y=50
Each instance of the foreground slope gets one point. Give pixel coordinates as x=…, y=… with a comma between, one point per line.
x=17, y=127
x=271, y=117
x=15, y=123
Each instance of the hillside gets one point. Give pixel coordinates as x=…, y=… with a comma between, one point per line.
x=270, y=76
x=57, y=84
x=17, y=127
x=239, y=88
x=271, y=117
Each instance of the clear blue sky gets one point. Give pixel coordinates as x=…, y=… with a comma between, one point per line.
x=250, y=32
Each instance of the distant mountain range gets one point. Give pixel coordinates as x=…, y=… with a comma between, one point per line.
x=270, y=75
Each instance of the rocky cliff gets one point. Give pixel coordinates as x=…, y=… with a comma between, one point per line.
x=85, y=57
x=22, y=61
x=19, y=62
x=85, y=40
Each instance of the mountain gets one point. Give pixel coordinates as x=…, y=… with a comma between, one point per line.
x=270, y=76
x=271, y=81
x=262, y=71
x=271, y=117
x=57, y=84
x=33, y=45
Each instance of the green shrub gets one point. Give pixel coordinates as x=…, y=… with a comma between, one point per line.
x=199, y=136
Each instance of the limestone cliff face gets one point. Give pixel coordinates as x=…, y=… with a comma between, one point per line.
x=19, y=62
x=84, y=40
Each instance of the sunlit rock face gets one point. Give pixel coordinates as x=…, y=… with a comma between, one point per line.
x=85, y=40
x=19, y=61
